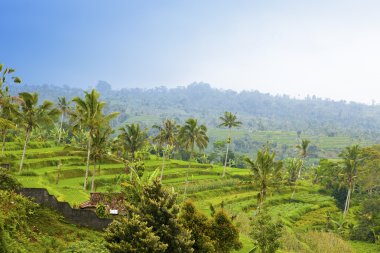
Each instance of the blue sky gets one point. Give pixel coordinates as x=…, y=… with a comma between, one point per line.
x=327, y=48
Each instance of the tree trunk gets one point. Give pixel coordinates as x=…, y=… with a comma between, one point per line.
x=60, y=129
x=347, y=204
x=88, y=162
x=163, y=165
x=24, y=151
x=295, y=182
x=225, y=160
x=187, y=173
x=4, y=134
x=93, y=177
x=130, y=167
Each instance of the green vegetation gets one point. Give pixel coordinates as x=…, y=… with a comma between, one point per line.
x=200, y=204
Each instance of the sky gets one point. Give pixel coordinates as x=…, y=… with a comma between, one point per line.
x=327, y=48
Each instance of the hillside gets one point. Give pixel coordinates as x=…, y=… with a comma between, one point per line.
x=331, y=125
x=306, y=211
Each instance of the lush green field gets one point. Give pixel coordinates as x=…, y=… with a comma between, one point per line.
x=306, y=211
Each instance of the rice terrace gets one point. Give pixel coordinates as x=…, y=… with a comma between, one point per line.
x=252, y=164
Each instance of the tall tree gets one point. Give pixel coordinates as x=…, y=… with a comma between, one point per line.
x=89, y=115
x=34, y=116
x=351, y=159
x=132, y=139
x=167, y=135
x=266, y=172
x=192, y=135
x=158, y=212
x=229, y=120
x=7, y=103
x=63, y=106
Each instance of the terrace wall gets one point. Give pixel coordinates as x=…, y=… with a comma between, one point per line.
x=86, y=218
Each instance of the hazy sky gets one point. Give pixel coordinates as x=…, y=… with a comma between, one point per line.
x=327, y=48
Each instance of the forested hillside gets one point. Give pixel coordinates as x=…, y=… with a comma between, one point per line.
x=281, y=120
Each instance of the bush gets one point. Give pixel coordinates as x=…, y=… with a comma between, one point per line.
x=368, y=228
x=8, y=182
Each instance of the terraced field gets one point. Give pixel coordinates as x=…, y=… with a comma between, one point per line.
x=305, y=211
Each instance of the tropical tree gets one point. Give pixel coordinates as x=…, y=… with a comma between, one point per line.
x=192, y=135
x=88, y=114
x=132, y=139
x=265, y=233
x=166, y=138
x=266, y=172
x=34, y=116
x=7, y=103
x=229, y=120
x=157, y=209
x=351, y=159
x=63, y=106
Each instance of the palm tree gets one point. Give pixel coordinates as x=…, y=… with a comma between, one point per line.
x=33, y=116
x=7, y=106
x=167, y=135
x=266, y=172
x=63, y=107
x=351, y=159
x=88, y=114
x=132, y=139
x=229, y=120
x=191, y=134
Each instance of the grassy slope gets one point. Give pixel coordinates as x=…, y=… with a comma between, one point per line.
x=307, y=210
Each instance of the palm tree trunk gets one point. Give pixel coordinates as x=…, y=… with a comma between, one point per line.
x=295, y=182
x=163, y=165
x=225, y=160
x=347, y=204
x=93, y=177
x=88, y=162
x=187, y=173
x=24, y=151
x=60, y=129
x=130, y=169
x=4, y=134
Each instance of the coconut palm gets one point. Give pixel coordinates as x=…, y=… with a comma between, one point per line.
x=192, y=135
x=34, y=116
x=132, y=139
x=229, y=120
x=63, y=106
x=167, y=135
x=266, y=172
x=351, y=159
x=88, y=114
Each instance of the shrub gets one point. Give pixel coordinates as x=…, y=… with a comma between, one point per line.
x=8, y=182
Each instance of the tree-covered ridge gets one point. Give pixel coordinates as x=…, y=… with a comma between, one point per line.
x=257, y=109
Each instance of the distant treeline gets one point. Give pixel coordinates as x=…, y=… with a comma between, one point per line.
x=258, y=111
